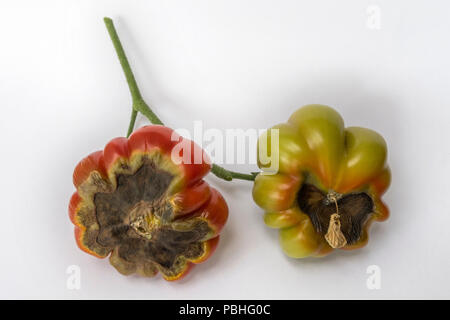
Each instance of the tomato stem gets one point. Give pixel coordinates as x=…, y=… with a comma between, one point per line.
x=132, y=122
x=228, y=175
x=139, y=105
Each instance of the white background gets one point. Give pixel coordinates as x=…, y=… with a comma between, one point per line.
x=232, y=64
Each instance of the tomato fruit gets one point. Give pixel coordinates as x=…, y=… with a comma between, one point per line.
x=328, y=187
x=147, y=212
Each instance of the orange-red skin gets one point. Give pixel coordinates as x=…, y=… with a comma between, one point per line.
x=92, y=162
x=196, y=199
x=192, y=198
x=115, y=149
x=381, y=183
x=215, y=211
x=165, y=139
x=145, y=139
x=73, y=207
x=384, y=211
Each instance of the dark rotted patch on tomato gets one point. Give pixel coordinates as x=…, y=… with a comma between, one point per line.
x=136, y=218
x=354, y=210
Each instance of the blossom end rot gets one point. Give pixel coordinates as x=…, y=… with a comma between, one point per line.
x=148, y=213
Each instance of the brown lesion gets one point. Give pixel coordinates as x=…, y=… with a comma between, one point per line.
x=136, y=220
x=347, y=212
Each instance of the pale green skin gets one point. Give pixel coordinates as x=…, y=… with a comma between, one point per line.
x=314, y=146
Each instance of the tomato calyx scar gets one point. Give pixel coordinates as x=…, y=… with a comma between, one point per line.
x=143, y=220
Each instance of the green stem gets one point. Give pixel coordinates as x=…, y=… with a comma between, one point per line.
x=139, y=105
x=132, y=122
x=230, y=175
x=134, y=89
x=143, y=108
